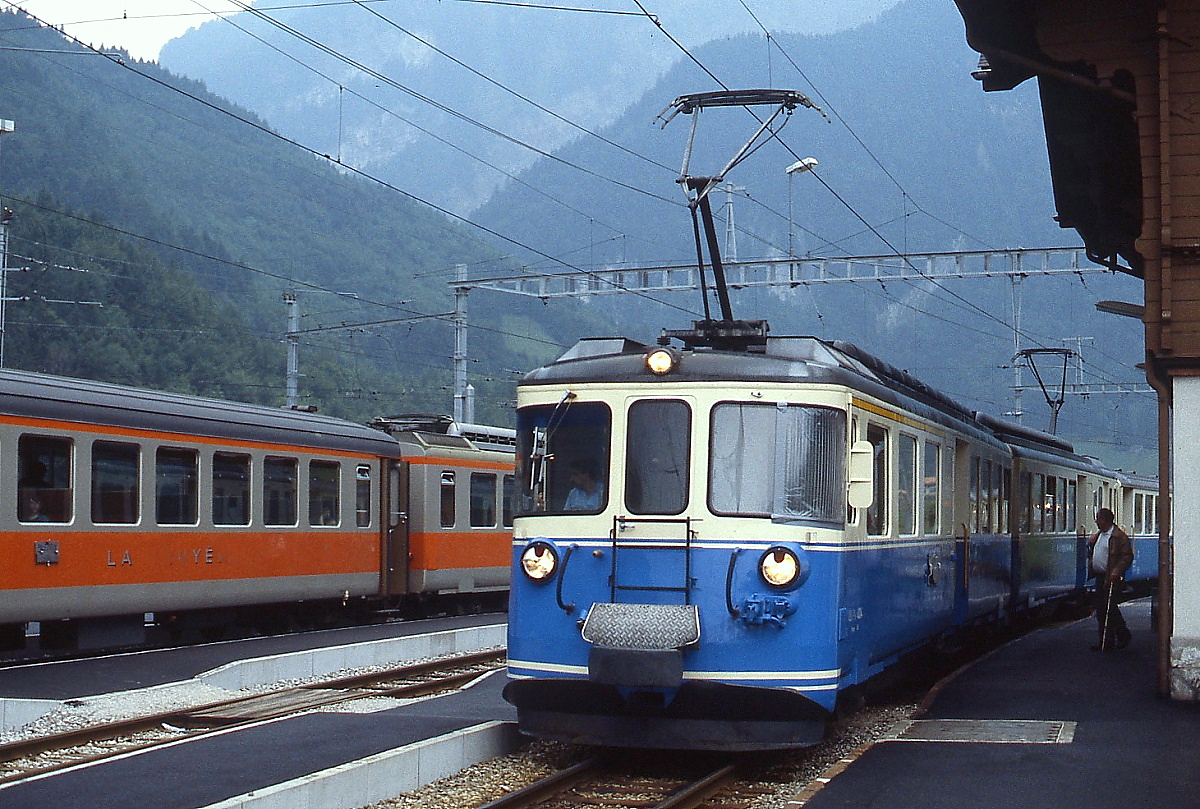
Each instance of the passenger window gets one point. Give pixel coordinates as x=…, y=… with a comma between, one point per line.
x=362, y=496
x=657, y=457
x=1039, y=503
x=906, y=482
x=986, y=499
x=483, y=500
x=231, y=489
x=508, y=499
x=447, y=497
x=1072, y=493
x=176, y=497
x=973, y=493
x=877, y=513
x=44, y=489
x=324, y=484
x=1005, y=500
x=931, y=494
x=786, y=462
x=1026, y=495
x=1051, y=516
x=115, y=477
x=280, y=491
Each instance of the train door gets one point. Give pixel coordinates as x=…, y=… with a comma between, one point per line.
x=395, y=529
x=966, y=518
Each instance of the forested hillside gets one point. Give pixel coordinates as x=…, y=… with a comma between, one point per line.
x=188, y=224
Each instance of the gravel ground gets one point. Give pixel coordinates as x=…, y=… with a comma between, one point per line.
x=782, y=776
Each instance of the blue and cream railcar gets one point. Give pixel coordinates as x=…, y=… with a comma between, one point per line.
x=1050, y=489
x=712, y=544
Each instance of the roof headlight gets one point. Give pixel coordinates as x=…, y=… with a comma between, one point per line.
x=780, y=567
x=662, y=361
x=539, y=560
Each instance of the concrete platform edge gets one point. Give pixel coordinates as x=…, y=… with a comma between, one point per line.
x=386, y=775
x=317, y=662
x=17, y=713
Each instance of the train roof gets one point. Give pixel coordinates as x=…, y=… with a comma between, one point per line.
x=777, y=359
x=793, y=359
x=42, y=396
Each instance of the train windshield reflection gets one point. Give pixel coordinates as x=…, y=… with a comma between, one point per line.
x=562, y=458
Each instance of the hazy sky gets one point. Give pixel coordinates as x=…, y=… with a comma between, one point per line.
x=140, y=26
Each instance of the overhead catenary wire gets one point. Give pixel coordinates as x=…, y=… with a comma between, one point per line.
x=352, y=169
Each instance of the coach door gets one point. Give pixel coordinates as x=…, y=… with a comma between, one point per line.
x=395, y=529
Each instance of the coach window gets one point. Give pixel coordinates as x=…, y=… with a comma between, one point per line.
x=176, y=497
x=1005, y=500
x=657, y=456
x=280, y=490
x=483, y=500
x=44, y=492
x=877, y=512
x=507, y=500
x=231, y=489
x=447, y=499
x=324, y=484
x=985, y=497
x=931, y=494
x=115, y=476
x=362, y=496
x=906, y=483
x=1025, y=499
x=1039, y=503
x=1072, y=493
x=973, y=495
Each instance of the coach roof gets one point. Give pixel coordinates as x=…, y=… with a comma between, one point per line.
x=82, y=401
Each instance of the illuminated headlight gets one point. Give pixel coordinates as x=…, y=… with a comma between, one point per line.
x=662, y=361
x=539, y=561
x=779, y=567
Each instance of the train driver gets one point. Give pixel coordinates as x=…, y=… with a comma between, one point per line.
x=587, y=493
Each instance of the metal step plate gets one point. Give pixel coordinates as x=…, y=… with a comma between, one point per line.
x=642, y=626
x=983, y=731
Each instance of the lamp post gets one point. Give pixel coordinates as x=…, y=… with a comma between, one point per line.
x=799, y=167
x=5, y=216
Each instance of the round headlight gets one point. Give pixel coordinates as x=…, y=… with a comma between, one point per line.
x=779, y=567
x=661, y=361
x=539, y=561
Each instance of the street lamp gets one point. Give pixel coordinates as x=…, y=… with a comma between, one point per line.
x=799, y=167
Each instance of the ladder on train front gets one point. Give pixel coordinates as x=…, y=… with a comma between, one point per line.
x=669, y=570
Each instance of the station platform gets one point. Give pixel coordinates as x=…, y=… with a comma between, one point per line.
x=1043, y=721
x=71, y=679
x=325, y=760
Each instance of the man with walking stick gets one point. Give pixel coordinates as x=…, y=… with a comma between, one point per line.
x=1111, y=554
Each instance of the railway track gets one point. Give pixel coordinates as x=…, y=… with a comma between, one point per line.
x=595, y=782
x=26, y=758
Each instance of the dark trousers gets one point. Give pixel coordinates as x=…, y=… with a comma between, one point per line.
x=1114, y=625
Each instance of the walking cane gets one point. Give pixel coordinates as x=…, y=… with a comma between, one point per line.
x=1108, y=604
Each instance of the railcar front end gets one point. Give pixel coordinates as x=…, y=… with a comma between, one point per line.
x=692, y=565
